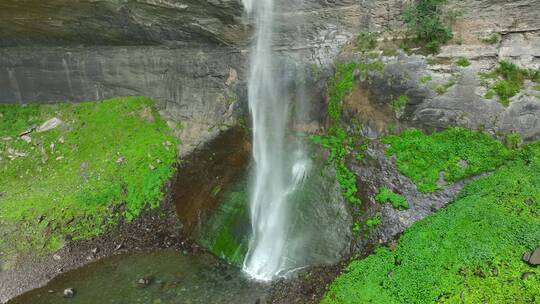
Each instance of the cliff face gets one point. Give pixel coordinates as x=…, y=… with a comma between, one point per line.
x=120, y=22
x=191, y=55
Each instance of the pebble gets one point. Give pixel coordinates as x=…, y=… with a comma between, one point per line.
x=535, y=257
x=144, y=282
x=532, y=257
x=69, y=293
x=49, y=125
x=26, y=139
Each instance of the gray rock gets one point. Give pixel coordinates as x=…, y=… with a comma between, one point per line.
x=534, y=259
x=49, y=125
x=26, y=139
x=527, y=275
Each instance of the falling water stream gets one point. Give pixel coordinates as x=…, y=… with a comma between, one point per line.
x=279, y=167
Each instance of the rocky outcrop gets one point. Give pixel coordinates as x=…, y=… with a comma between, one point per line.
x=199, y=90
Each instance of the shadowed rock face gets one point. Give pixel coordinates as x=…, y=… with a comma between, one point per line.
x=120, y=22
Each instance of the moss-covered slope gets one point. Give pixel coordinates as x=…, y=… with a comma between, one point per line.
x=102, y=161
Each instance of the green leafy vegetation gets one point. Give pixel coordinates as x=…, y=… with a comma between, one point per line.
x=356, y=228
x=337, y=141
x=105, y=161
x=366, y=41
x=386, y=195
x=443, y=88
x=425, y=79
x=428, y=22
x=398, y=104
x=339, y=145
x=514, y=140
x=456, y=152
x=373, y=221
x=469, y=252
x=509, y=80
x=463, y=62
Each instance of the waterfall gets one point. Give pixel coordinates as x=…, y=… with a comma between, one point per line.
x=279, y=168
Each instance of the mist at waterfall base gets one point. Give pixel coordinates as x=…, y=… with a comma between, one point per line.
x=282, y=238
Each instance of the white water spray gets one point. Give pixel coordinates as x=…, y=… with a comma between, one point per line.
x=276, y=174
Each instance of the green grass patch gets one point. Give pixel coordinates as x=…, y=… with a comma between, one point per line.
x=457, y=152
x=491, y=39
x=425, y=79
x=107, y=160
x=463, y=62
x=469, y=252
x=443, y=88
x=386, y=195
x=509, y=80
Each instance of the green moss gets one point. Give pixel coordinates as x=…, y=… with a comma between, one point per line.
x=386, y=195
x=463, y=62
x=107, y=160
x=457, y=152
x=469, y=252
x=224, y=234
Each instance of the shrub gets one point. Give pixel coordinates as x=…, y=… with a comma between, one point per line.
x=366, y=41
x=425, y=19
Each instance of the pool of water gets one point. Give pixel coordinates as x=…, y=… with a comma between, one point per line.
x=173, y=278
